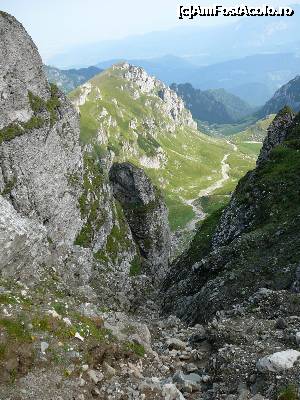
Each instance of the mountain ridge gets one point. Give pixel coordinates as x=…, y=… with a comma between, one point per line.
x=212, y=106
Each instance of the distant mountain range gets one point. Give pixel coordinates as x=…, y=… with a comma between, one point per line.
x=196, y=43
x=287, y=95
x=213, y=106
x=207, y=57
x=67, y=80
x=254, y=78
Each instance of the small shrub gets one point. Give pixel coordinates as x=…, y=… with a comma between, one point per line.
x=7, y=299
x=85, y=236
x=15, y=329
x=9, y=186
x=136, y=348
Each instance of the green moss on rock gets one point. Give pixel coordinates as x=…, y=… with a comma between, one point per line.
x=135, y=267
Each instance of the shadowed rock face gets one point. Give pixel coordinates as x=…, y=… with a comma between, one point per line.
x=240, y=216
x=277, y=132
x=146, y=214
x=253, y=244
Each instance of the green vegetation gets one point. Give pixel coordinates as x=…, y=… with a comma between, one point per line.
x=15, y=328
x=148, y=144
x=255, y=132
x=53, y=104
x=278, y=179
x=7, y=299
x=135, y=267
x=201, y=243
x=117, y=241
x=2, y=351
x=180, y=162
x=289, y=393
x=18, y=129
x=38, y=120
x=90, y=201
x=136, y=348
x=210, y=204
x=8, y=187
x=39, y=105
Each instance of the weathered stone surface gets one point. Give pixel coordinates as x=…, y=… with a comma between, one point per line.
x=41, y=168
x=23, y=243
x=146, y=214
x=238, y=216
x=172, y=104
x=20, y=69
x=170, y=392
x=278, y=362
x=277, y=132
x=53, y=184
x=252, y=245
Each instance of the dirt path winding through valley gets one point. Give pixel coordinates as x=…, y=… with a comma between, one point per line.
x=199, y=213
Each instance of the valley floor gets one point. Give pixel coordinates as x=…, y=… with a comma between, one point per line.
x=199, y=213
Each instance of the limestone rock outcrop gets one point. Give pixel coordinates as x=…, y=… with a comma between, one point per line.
x=146, y=214
x=40, y=155
x=23, y=243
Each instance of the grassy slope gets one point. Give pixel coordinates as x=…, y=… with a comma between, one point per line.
x=193, y=159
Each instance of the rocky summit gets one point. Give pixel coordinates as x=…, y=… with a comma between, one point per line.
x=91, y=306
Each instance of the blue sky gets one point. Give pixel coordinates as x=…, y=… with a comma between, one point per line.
x=58, y=24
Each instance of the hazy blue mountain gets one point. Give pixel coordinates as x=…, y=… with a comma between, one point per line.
x=213, y=106
x=287, y=95
x=69, y=79
x=203, y=45
x=235, y=106
x=254, y=78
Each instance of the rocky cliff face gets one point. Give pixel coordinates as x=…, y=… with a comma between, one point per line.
x=147, y=216
x=253, y=244
x=55, y=195
x=239, y=216
x=39, y=139
x=277, y=132
x=21, y=71
x=23, y=243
